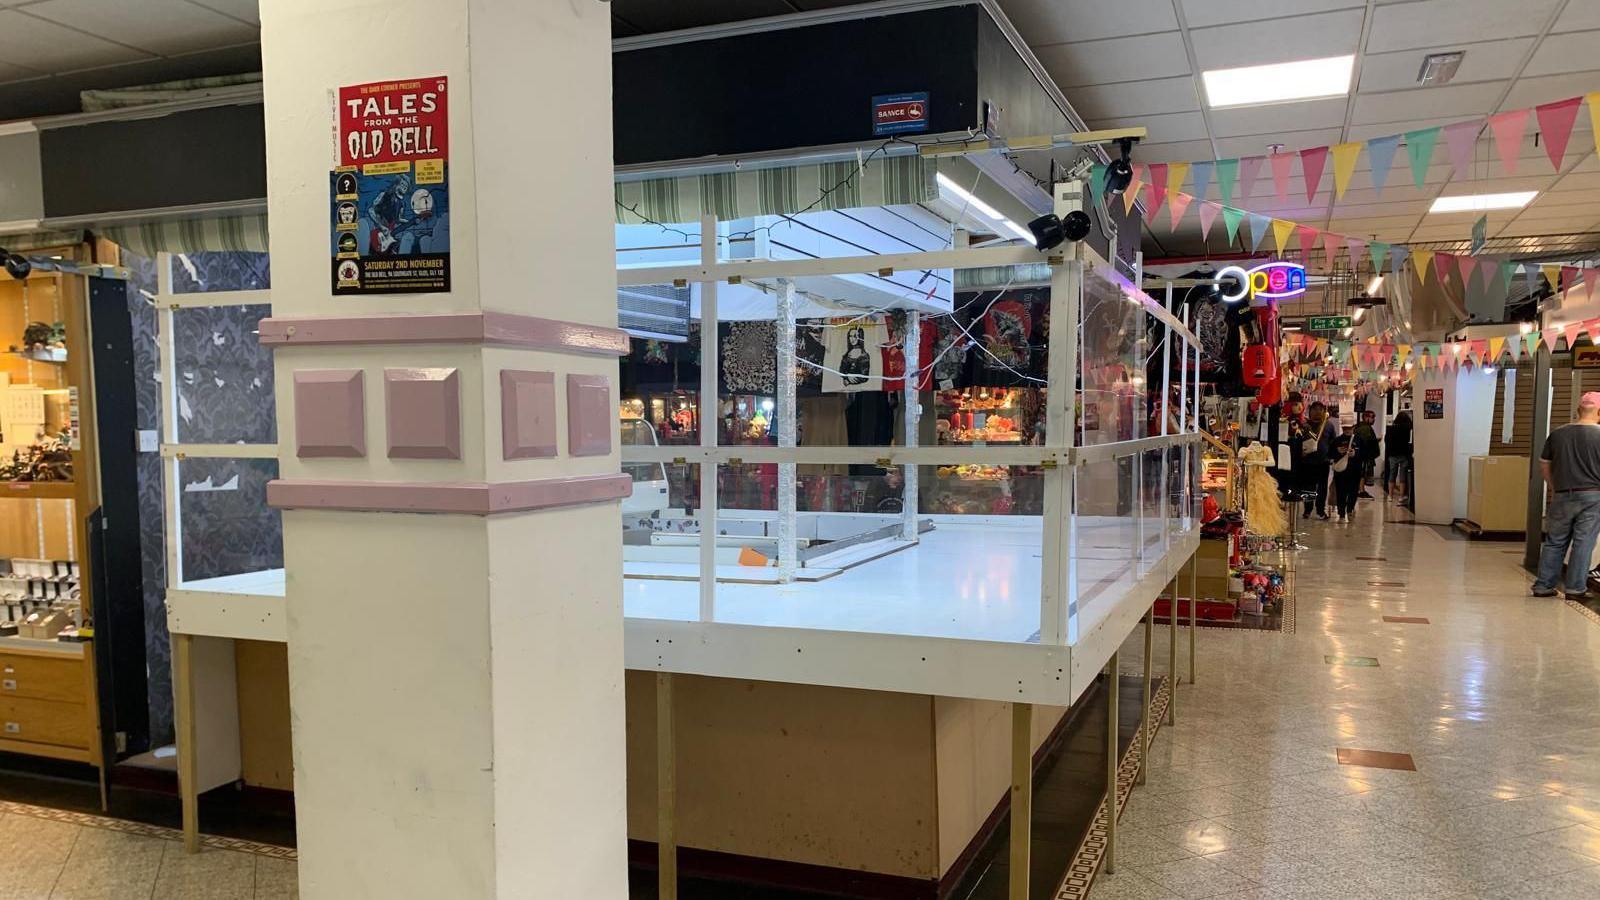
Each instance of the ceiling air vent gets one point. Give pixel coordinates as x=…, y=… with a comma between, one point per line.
x=1439, y=68
x=654, y=311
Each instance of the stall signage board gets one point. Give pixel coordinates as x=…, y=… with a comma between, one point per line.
x=1586, y=357
x=896, y=113
x=1480, y=234
x=1433, y=403
x=389, y=208
x=1328, y=323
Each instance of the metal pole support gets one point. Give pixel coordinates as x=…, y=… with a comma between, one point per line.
x=1194, y=605
x=1114, y=680
x=1144, y=718
x=666, y=791
x=1021, y=798
x=1172, y=652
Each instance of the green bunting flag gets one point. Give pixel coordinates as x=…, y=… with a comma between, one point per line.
x=1232, y=217
x=1227, y=171
x=1419, y=149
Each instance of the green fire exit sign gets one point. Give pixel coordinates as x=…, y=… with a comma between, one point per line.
x=1328, y=323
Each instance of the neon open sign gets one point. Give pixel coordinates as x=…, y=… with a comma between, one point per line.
x=1269, y=281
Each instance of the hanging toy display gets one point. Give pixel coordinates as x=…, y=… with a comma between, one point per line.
x=1263, y=512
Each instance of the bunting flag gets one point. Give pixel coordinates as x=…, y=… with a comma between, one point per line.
x=1097, y=181
x=1397, y=258
x=1594, y=117
x=1357, y=248
x=1444, y=266
x=1249, y=168
x=1131, y=194
x=1280, y=233
x=1555, y=124
x=1258, y=229
x=1420, y=260
x=1552, y=274
x=1158, y=177
x=1508, y=270
x=1419, y=149
x=1227, y=169
x=1380, y=255
x=1508, y=128
x=1380, y=153
x=1530, y=343
x=1308, y=240
x=1344, y=166
x=1202, y=178
x=1551, y=336
x=1312, y=162
x=1468, y=266
x=1153, y=197
x=1177, y=205
x=1331, y=246
x=1400, y=354
x=1281, y=163
x=1176, y=173
x=1208, y=214
x=1231, y=217
x=1569, y=277
x=1459, y=140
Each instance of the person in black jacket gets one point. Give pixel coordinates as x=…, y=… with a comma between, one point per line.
x=1345, y=462
x=1316, y=450
x=1397, y=456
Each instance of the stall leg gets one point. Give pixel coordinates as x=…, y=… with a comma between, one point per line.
x=1172, y=653
x=1194, y=604
x=1111, y=765
x=183, y=719
x=1144, y=717
x=666, y=791
x=1021, y=797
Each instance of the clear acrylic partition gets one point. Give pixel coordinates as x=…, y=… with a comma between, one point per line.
x=230, y=540
x=224, y=376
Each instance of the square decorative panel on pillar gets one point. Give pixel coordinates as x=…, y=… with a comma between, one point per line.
x=424, y=413
x=330, y=412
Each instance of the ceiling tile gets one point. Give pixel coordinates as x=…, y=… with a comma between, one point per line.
x=9, y=72
x=1578, y=181
x=1488, y=61
x=1527, y=92
x=1559, y=54
x=1054, y=22
x=1203, y=13
x=1578, y=16
x=654, y=16
x=244, y=10
x=1434, y=23
x=1118, y=59
x=1185, y=126
x=1382, y=129
x=1177, y=151
x=1458, y=101
x=46, y=46
x=1279, y=117
x=1159, y=95
x=1252, y=43
x=1256, y=145
x=158, y=26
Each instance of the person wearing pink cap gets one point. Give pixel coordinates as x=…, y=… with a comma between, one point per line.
x=1571, y=467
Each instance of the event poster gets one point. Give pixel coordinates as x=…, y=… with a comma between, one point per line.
x=1433, y=403
x=390, y=188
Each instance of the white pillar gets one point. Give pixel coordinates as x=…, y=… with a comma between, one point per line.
x=912, y=418
x=449, y=463
x=786, y=415
x=1446, y=445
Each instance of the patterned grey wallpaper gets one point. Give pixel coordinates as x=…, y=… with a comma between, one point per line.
x=225, y=395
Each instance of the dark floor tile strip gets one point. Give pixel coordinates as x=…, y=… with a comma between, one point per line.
x=140, y=829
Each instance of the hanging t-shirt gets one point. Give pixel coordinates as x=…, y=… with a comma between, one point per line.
x=853, y=357
x=750, y=357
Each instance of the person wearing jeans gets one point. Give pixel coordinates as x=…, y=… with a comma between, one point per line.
x=1571, y=467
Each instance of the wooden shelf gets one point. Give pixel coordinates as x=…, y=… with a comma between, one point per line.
x=39, y=490
x=12, y=643
x=43, y=356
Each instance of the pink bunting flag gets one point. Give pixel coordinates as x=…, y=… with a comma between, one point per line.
x=1158, y=176
x=1312, y=162
x=1444, y=265
x=1153, y=198
x=1177, y=205
x=1508, y=128
x=1249, y=168
x=1551, y=336
x=1208, y=214
x=1331, y=244
x=1569, y=277
x=1358, y=248
x=1308, y=241
x=1469, y=267
x=1281, y=163
x=1555, y=122
x=1459, y=140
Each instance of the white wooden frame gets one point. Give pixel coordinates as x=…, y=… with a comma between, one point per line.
x=1057, y=668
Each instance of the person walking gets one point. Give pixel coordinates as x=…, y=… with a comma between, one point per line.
x=1316, y=448
x=1367, y=448
x=1397, y=456
x=1571, y=467
x=1346, y=467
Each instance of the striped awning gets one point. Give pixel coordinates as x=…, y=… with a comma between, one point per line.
x=777, y=191
x=192, y=235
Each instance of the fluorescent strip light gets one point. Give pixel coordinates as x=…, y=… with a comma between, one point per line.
x=1307, y=79
x=1482, y=202
x=946, y=183
x=1373, y=285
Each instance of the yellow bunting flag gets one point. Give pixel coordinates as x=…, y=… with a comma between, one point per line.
x=1130, y=195
x=1594, y=116
x=1176, y=173
x=1497, y=345
x=1420, y=260
x=1281, y=229
x=1344, y=165
x=1552, y=274
x=1401, y=351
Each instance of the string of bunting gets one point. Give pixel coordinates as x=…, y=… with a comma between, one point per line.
x=1313, y=359
x=1160, y=186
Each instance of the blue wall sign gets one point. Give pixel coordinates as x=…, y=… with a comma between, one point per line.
x=895, y=113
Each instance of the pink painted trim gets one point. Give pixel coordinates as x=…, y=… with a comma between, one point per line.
x=463, y=498
x=498, y=328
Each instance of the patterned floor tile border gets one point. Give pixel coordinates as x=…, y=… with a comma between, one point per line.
x=105, y=823
x=1588, y=613
x=1086, y=862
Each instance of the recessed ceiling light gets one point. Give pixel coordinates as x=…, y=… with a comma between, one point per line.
x=1307, y=79
x=1482, y=202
